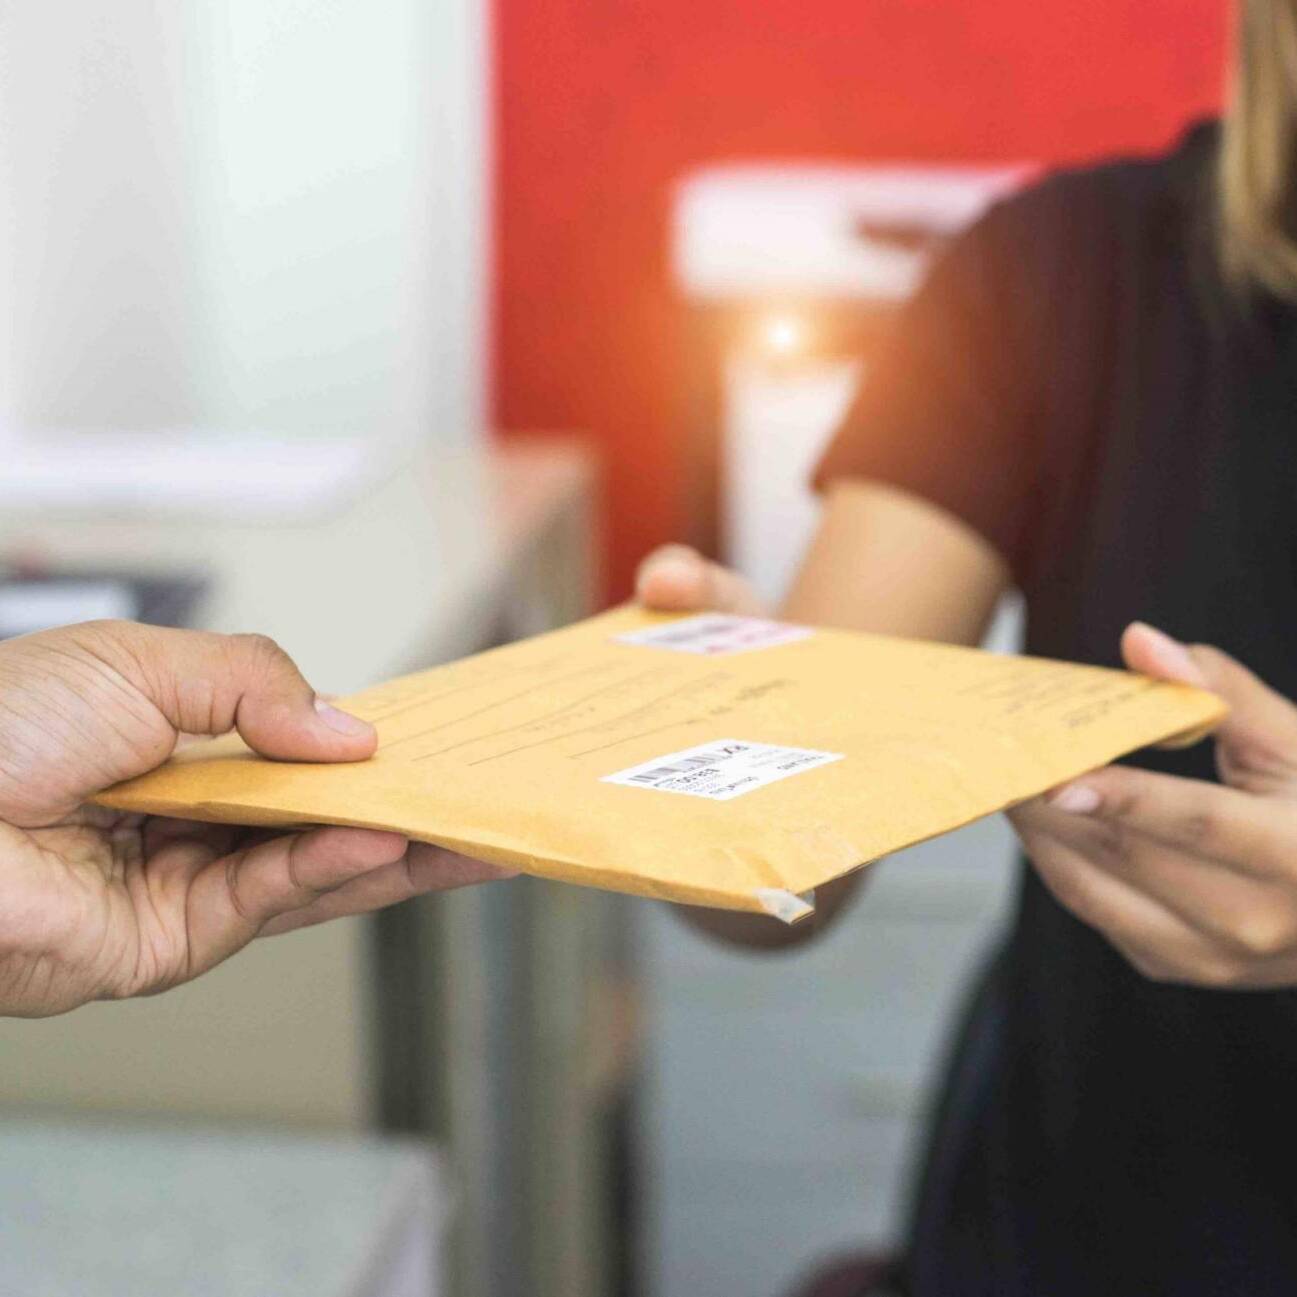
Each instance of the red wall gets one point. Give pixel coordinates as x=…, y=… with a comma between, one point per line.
x=601, y=104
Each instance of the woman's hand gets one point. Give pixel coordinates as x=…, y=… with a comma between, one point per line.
x=1193, y=882
x=882, y=561
x=99, y=905
x=675, y=578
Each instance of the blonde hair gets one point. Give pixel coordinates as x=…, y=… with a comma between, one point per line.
x=1256, y=180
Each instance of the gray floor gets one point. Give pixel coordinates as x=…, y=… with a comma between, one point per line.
x=99, y=1209
x=784, y=1092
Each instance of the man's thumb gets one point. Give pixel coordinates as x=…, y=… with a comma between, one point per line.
x=204, y=683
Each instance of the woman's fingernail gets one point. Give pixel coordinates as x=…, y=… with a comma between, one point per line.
x=1174, y=657
x=1075, y=798
x=342, y=722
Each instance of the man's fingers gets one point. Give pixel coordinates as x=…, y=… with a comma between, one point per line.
x=676, y=578
x=438, y=869
x=233, y=898
x=1231, y=828
x=423, y=869
x=163, y=833
x=207, y=684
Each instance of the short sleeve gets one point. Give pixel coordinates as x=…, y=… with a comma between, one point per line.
x=949, y=410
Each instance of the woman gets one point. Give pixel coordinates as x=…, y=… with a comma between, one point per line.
x=1095, y=398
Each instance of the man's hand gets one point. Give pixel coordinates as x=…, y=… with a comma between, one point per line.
x=100, y=905
x=1193, y=882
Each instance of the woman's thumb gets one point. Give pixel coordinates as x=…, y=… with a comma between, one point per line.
x=676, y=578
x=1259, y=734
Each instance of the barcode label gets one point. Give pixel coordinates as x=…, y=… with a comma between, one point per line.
x=722, y=769
x=717, y=633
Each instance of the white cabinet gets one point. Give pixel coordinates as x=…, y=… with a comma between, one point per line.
x=244, y=216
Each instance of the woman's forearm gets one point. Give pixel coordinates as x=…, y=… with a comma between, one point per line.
x=889, y=563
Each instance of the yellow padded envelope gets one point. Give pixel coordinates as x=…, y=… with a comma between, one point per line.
x=717, y=760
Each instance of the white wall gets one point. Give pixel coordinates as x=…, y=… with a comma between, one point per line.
x=95, y=245
x=253, y=215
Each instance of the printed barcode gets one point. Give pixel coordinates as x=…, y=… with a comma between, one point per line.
x=694, y=630
x=721, y=769
x=711, y=633
x=686, y=766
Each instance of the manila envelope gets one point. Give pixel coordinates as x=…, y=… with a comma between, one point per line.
x=715, y=760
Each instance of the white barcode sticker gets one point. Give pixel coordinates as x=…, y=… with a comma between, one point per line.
x=722, y=769
x=716, y=633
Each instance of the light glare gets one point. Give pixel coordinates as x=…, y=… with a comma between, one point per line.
x=784, y=334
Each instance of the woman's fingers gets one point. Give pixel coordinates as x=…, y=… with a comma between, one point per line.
x=1154, y=653
x=1157, y=941
x=1242, y=915
x=676, y=578
x=673, y=578
x=1234, y=830
x=1257, y=740
x=422, y=869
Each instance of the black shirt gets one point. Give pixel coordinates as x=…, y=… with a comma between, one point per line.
x=1075, y=385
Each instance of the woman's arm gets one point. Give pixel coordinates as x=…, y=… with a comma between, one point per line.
x=889, y=562
x=882, y=561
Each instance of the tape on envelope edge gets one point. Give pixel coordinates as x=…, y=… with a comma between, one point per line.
x=785, y=905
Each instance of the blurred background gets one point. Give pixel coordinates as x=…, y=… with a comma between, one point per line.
x=396, y=331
